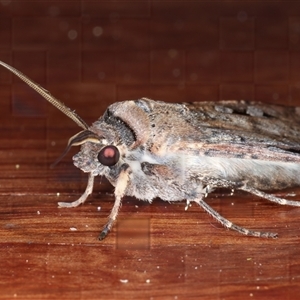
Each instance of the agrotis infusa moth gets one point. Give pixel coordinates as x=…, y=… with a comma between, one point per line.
x=150, y=149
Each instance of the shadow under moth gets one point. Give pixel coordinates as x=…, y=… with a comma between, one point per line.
x=150, y=149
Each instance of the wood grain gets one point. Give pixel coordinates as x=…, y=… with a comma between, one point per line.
x=154, y=251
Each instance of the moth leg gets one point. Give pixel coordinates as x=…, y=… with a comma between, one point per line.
x=119, y=193
x=269, y=197
x=87, y=192
x=226, y=223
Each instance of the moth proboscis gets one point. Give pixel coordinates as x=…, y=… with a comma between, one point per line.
x=150, y=149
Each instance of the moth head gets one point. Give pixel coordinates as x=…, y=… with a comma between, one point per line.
x=96, y=152
x=94, y=148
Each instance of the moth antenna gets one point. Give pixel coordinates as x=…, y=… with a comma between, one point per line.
x=77, y=140
x=46, y=94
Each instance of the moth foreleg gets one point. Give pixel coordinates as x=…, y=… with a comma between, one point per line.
x=228, y=224
x=119, y=193
x=87, y=192
x=269, y=197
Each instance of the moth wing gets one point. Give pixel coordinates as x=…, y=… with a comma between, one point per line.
x=249, y=130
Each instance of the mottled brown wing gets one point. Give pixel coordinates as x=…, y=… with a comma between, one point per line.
x=247, y=130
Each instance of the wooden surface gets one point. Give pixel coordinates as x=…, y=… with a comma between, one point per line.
x=157, y=251
x=90, y=54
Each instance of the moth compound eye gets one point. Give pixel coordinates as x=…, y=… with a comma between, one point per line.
x=109, y=156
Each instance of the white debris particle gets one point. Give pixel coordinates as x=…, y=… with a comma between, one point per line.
x=136, y=206
x=38, y=212
x=251, y=295
x=27, y=260
x=123, y=280
x=17, y=166
x=148, y=281
x=99, y=208
x=73, y=228
x=86, y=226
x=158, y=267
x=57, y=194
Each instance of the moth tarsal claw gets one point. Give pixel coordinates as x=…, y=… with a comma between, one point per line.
x=103, y=233
x=269, y=235
x=83, y=197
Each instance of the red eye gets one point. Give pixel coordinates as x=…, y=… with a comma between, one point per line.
x=109, y=155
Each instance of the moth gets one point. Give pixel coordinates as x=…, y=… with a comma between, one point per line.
x=150, y=149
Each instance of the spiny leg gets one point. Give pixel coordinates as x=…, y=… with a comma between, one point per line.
x=226, y=223
x=119, y=193
x=269, y=197
x=87, y=192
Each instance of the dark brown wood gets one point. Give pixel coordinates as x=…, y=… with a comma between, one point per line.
x=158, y=250
x=90, y=54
